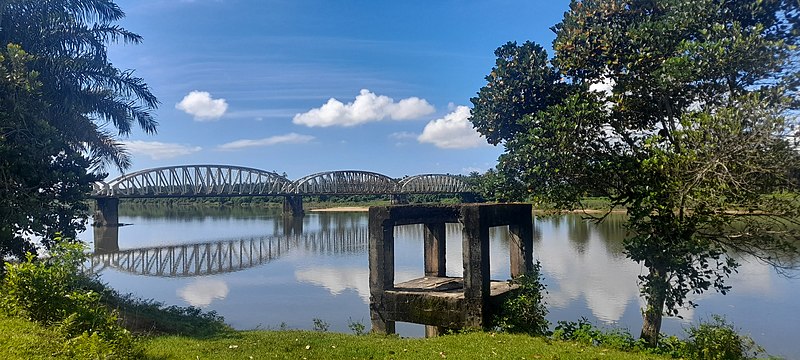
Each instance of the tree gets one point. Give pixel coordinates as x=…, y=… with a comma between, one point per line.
x=60, y=94
x=85, y=92
x=44, y=181
x=684, y=112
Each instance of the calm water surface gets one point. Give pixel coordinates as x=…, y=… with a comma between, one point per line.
x=259, y=271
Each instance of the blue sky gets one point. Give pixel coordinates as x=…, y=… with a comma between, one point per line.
x=307, y=86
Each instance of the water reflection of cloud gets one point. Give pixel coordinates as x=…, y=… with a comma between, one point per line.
x=339, y=279
x=202, y=292
x=607, y=283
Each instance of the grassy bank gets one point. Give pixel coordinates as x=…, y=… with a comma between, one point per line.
x=22, y=339
x=318, y=345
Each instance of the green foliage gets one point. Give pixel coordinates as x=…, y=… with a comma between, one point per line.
x=356, y=327
x=320, y=325
x=59, y=96
x=44, y=179
x=584, y=332
x=525, y=311
x=84, y=91
x=49, y=292
x=683, y=112
x=717, y=340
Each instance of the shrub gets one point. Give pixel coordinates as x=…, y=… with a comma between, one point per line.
x=717, y=339
x=48, y=291
x=584, y=332
x=714, y=340
x=525, y=311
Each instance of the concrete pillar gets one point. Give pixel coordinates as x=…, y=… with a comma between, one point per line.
x=293, y=205
x=521, y=248
x=468, y=198
x=381, y=267
x=398, y=199
x=434, y=251
x=475, y=247
x=107, y=213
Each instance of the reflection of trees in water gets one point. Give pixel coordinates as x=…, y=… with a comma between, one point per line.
x=582, y=228
x=613, y=233
x=578, y=233
x=188, y=212
x=340, y=220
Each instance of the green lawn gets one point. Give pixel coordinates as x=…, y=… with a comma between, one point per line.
x=318, y=345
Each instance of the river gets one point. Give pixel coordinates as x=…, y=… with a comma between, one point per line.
x=261, y=272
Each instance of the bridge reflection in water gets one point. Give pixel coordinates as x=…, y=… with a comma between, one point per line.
x=223, y=256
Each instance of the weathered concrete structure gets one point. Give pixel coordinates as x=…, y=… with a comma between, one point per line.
x=436, y=299
x=107, y=213
x=293, y=205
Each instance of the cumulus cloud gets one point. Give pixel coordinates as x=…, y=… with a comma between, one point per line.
x=454, y=131
x=202, y=106
x=291, y=138
x=367, y=107
x=158, y=150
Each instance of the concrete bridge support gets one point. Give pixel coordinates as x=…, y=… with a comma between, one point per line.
x=107, y=213
x=398, y=199
x=293, y=205
x=437, y=300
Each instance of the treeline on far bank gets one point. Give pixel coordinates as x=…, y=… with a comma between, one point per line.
x=309, y=202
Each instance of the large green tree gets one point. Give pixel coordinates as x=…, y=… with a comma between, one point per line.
x=683, y=111
x=87, y=95
x=61, y=99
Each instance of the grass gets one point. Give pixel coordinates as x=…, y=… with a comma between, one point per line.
x=23, y=339
x=322, y=345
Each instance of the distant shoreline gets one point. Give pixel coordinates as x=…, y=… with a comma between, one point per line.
x=535, y=211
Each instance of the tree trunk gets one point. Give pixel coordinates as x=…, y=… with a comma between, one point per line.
x=654, y=312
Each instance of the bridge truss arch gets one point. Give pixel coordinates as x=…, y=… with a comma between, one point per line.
x=433, y=184
x=197, y=180
x=345, y=182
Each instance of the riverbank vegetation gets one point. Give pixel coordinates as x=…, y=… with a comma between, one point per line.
x=50, y=309
x=679, y=111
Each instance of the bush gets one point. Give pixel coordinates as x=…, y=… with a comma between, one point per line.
x=525, y=311
x=49, y=292
x=584, y=332
x=717, y=339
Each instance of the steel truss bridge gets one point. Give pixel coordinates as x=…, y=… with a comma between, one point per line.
x=225, y=180
x=208, y=258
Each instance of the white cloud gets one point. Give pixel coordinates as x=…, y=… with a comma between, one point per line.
x=158, y=150
x=291, y=138
x=367, y=107
x=604, y=86
x=454, y=131
x=403, y=135
x=200, y=105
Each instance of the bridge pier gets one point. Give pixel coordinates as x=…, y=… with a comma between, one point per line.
x=107, y=213
x=293, y=205
x=398, y=199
